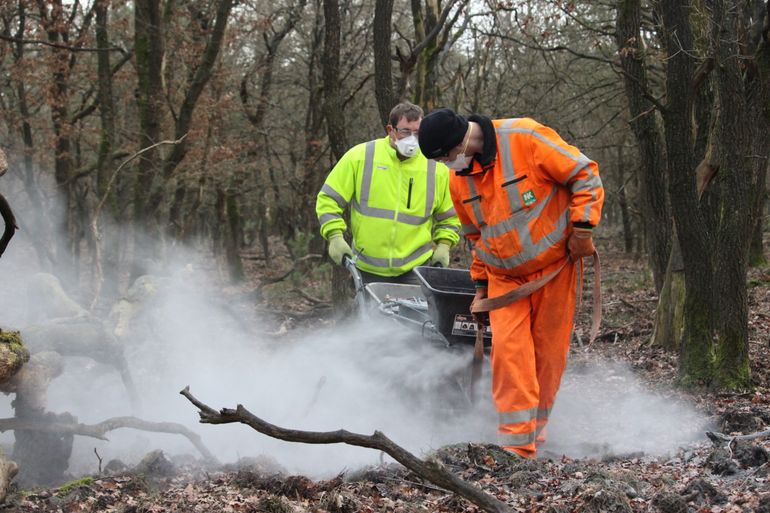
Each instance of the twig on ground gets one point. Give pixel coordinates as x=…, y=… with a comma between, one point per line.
x=100, y=460
x=310, y=298
x=430, y=470
x=721, y=438
x=100, y=430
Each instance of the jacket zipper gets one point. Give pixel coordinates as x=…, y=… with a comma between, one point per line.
x=409, y=194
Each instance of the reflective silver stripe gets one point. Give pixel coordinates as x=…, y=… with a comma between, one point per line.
x=469, y=229
x=509, y=173
x=538, y=135
x=410, y=219
x=582, y=163
x=450, y=227
x=516, y=440
x=528, y=252
x=430, y=188
x=514, y=417
x=336, y=196
x=509, y=224
x=396, y=262
x=593, y=184
x=362, y=204
x=587, y=209
x=476, y=203
x=543, y=413
x=590, y=183
x=445, y=215
x=381, y=213
x=325, y=218
x=366, y=180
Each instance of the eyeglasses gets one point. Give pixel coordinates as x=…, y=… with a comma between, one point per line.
x=405, y=132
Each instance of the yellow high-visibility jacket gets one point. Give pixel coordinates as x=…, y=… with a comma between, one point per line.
x=398, y=208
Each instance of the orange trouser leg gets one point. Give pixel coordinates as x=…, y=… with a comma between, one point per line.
x=529, y=352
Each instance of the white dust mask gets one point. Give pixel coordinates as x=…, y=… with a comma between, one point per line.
x=460, y=162
x=407, y=146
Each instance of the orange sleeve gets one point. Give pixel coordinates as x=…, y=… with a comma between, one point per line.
x=565, y=164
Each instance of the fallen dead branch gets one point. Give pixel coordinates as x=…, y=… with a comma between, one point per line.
x=430, y=470
x=721, y=438
x=101, y=429
x=312, y=299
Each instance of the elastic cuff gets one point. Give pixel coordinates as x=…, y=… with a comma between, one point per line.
x=583, y=224
x=481, y=284
x=444, y=242
x=334, y=233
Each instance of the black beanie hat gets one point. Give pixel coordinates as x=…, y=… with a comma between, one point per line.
x=440, y=131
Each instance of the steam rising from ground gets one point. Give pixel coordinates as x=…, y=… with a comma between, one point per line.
x=362, y=376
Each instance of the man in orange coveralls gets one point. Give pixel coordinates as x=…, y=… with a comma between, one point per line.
x=528, y=201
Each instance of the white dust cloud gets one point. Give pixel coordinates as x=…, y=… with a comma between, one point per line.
x=365, y=375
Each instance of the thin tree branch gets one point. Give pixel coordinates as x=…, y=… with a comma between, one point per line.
x=100, y=430
x=97, y=211
x=60, y=46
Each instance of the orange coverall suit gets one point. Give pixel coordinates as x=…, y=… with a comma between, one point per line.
x=517, y=204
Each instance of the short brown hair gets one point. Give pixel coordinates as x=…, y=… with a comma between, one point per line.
x=407, y=110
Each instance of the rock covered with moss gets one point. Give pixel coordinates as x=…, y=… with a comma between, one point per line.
x=13, y=354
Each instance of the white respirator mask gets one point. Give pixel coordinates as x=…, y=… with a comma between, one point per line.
x=407, y=146
x=460, y=162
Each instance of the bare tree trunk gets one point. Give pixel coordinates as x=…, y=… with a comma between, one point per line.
x=106, y=144
x=656, y=211
x=149, y=50
x=697, y=243
x=625, y=213
x=200, y=78
x=669, y=314
x=432, y=29
x=56, y=27
x=715, y=243
x=233, y=235
x=39, y=222
x=335, y=120
x=383, y=68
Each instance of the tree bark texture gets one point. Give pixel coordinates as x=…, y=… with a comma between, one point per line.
x=383, y=67
x=333, y=113
x=656, y=211
x=714, y=234
x=695, y=239
x=149, y=52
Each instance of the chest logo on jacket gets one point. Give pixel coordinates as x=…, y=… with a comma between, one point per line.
x=529, y=198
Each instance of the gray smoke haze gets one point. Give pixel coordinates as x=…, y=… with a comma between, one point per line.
x=365, y=375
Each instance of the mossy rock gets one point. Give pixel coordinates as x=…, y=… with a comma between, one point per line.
x=67, y=488
x=13, y=354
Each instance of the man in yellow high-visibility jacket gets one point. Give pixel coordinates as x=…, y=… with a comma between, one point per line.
x=401, y=215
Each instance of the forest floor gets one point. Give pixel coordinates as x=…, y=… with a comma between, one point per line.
x=699, y=477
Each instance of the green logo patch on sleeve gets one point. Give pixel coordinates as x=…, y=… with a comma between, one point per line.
x=529, y=197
